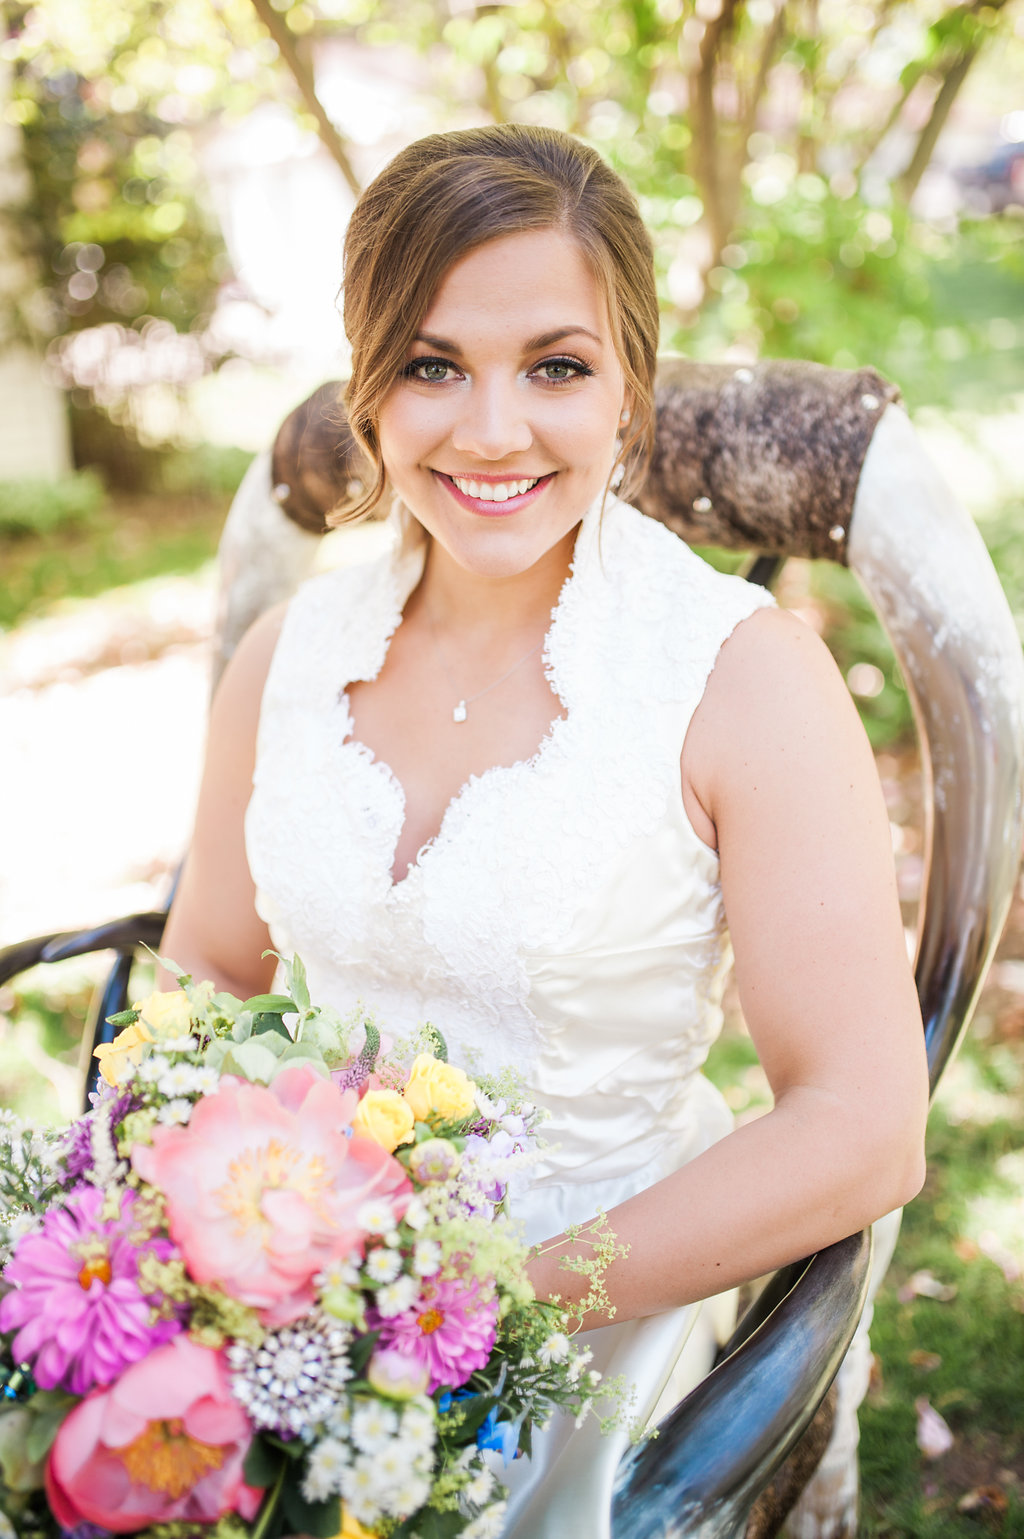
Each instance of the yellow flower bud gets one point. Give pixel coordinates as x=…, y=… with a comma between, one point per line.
x=126, y=1048
x=438, y=1090
x=386, y=1117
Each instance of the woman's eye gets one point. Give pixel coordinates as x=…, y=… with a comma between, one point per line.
x=434, y=371
x=559, y=371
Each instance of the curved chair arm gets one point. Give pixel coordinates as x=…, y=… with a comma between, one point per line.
x=718, y=1449
x=116, y=935
x=933, y=585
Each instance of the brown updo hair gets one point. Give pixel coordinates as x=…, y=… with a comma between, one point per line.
x=444, y=196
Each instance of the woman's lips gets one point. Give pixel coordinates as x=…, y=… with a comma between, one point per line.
x=495, y=509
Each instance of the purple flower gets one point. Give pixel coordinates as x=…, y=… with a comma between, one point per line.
x=451, y=1328
x=479, y=1158
x=78, y=1152
x=77, y=1306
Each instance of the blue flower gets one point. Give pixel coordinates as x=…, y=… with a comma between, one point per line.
x=502, y=1436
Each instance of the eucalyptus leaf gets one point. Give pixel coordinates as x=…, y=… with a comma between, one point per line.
x=251, y=1060
x=265, y=1021
x=277, y=1004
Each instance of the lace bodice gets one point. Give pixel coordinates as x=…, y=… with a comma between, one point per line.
x=566, y=918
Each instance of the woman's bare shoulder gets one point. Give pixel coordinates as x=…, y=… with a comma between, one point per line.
x=776, y=713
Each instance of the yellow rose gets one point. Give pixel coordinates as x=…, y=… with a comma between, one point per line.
x=351, y=1528
x=438, y=1088
x=166, y=1014
x=126, y=1048
x=385, y=1117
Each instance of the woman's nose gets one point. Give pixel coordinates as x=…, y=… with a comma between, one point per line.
x=492, y=421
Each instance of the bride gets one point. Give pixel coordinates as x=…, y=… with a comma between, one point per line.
x=518, y=776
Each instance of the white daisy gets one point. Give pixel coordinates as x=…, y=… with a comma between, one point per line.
x=480, y=1487
x=554, y=1350
x=488, y=1525
x=382, y=1266
x=375, y=1217
x=395, y=1298
x=324, y=1465
x=416, y=1214
x=426, y=1258
x=178, y=1079
x=373, y=1426
x=176, y=1112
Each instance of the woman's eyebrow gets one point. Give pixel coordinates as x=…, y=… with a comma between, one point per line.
x=546, y=339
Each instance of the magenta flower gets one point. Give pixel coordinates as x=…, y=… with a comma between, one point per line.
x=77, y=1306
x=451, y=1329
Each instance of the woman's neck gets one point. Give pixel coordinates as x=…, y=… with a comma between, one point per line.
x=476, y=607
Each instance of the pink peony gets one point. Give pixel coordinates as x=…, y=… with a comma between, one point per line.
x=79, y=1311
x=165, y=1444
x=450, y=1329
x=263, y=1187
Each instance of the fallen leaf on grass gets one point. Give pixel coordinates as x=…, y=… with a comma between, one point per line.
x=984, y=1501
x=926, y=1361
x=925, y=1285
x=933, y=1435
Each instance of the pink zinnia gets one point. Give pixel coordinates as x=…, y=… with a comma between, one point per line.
x=79, y=1311
x=450, y=1328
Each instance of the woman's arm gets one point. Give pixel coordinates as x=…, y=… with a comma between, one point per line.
x=213, y=930
x=777, y=771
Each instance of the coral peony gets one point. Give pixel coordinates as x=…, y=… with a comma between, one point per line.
x=165, y=1444
x=80, y=1314
x=450, y=1328
x=263, y=1187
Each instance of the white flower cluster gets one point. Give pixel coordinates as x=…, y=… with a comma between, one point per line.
x=293, y=1382
x=380, y=1462
x=177, y=1079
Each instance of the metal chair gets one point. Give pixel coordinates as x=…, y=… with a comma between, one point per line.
x=781, y=459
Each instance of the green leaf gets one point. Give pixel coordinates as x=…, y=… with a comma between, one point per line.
x=270, y=1020
x=254, y=1061
x=276, y=1004
x=124, y=1018
x=431, y=1524
x=320, y=1519
x=361, y=1351
x=295, y=973
x=262, y=1464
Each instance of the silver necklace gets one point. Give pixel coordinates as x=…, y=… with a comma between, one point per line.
x=460, y=711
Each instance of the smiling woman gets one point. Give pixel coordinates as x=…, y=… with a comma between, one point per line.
x=516, y=777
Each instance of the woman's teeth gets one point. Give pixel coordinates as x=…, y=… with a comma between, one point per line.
x=493, y=491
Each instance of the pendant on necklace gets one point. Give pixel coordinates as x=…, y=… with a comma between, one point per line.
x=459, y=712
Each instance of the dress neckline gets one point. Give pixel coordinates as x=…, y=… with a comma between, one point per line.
x=405, y=568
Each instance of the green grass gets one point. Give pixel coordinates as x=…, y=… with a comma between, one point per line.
x=126, y=540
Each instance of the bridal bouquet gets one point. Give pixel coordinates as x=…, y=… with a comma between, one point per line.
x=264, y=1286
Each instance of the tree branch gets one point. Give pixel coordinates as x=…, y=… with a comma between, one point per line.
x=303, y=77
x=952, y=79
x=720, y=203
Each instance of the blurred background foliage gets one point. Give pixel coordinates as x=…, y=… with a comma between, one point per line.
x=784, y=152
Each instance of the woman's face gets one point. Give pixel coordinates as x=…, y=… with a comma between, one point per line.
x=501, y=431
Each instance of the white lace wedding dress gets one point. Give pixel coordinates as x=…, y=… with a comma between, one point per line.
x=566, y=919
